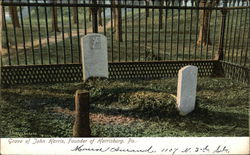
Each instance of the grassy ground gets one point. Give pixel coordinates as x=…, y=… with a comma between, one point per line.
x=126, y=108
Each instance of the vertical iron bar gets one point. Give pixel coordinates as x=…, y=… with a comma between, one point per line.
x=220, y=55
x=139, y=31
x=159, y=33
x=39, y=33
x=70, y=33
x=248, y=40
x=47, y=32
x=119, y=15
x=197, y=26
x=104, y=19
x=78, y=34
x=23, y=35
x=146, y=33
x=55, y=33
x=215, y=25
x=133, y=26
x=6, y=34
x=152, y=43
x=184, y=30
x=243, y=38
x=208, y=35
x=63, y=37
x=85, y=19
x=126, y=34
x=172, y=25
x=15, y=37
x=203, y=22
x=178, y=31
x=31, y=34
x=111, y=31
x=165, y=32
x=190, y=31
x=235, y=29
x=230, y=38
x=239, y=36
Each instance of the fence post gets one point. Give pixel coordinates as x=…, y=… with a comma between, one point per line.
x=81, y=126
x=94, y=11
x=220, y=54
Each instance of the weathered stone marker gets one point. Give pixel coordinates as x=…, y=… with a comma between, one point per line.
x=186, y=89
x=94, y=56
x=81, y=126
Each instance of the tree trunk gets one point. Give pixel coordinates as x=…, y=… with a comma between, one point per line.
x=160, y=15
x=204, y=33
x=118, y=32
x=54, y=18
x=100, y=17
x=117, y=21
x=14, y=16
x=147, y=10
x=75, y=11
x=3, y=19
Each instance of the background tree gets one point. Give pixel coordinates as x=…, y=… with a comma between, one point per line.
x=14, y=16
x=3, y=19
x=75, y=11
x=117, y=20
x=205, y=15
x=54, y=18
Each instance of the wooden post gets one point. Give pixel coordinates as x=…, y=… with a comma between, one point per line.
x=81, y=126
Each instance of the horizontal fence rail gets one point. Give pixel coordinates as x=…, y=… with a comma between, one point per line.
x=48, y=32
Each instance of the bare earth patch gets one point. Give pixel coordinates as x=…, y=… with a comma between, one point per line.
x=100, y=118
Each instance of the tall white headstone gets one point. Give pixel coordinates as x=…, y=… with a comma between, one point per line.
x=186, y=89
x=94, y=56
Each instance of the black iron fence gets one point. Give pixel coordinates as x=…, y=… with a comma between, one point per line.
x=48, y=32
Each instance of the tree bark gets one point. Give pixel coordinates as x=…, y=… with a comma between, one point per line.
x=3, y=19
x=75, y=11
x=14, y=16
x=147, y=10
x=54, y=18
x=160, y=15
x=118, y=24
x=204, y=32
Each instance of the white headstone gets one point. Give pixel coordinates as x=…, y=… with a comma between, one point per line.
x=94, y=56
x=186, y=90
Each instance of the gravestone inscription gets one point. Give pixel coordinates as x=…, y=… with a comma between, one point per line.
x=186, y=89
x=94, y=56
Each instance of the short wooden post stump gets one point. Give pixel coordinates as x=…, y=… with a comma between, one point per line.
x=81, y=126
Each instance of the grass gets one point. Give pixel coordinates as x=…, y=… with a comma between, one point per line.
x=133, y=108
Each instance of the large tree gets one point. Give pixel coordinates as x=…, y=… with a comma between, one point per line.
x=205, y=16
x=75, y=11
x=54, y=18
x=117, y=20
x=14, y=16
x=3, y=18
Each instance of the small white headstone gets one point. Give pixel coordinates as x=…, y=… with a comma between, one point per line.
x=186, y=90
x=94, y=56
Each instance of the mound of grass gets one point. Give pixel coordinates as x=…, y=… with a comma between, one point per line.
x=122, y=108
